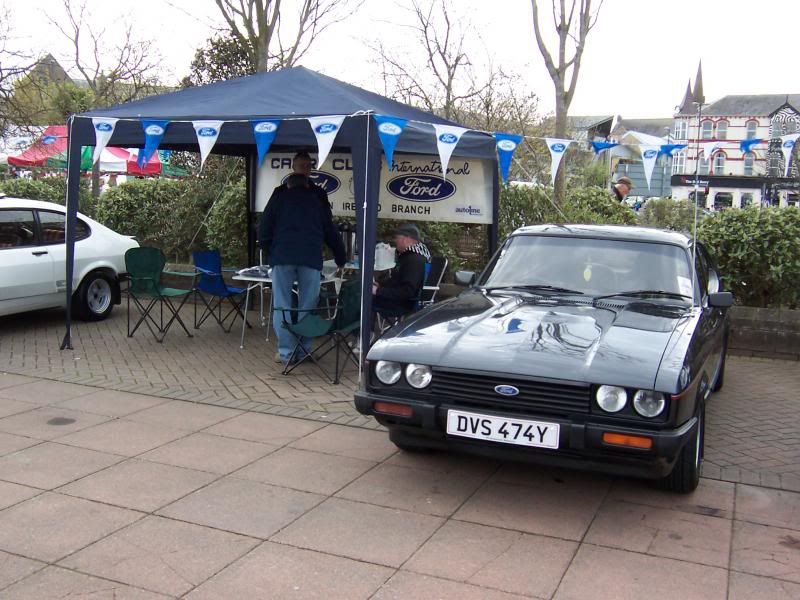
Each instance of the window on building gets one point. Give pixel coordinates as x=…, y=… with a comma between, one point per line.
x=791, y=126
x=749, y=163
x=706, y=130
x=681, y=130
x=701, y=198
x=775, y=130
x=747, y=200
x=703, y=169
x=722, y=130
x=679, y=163
x=719, y=163
x=723, y=200
x=752, y=130
x=775, y=163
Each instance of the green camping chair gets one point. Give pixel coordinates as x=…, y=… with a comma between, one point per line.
x=145, y=267
x=336, y=330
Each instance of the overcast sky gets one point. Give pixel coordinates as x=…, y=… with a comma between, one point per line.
x=637, y=61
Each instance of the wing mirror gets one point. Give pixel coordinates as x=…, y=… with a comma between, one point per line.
x=720, y=300
x=465, y=277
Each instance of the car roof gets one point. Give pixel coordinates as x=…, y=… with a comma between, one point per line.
x=6, y=201
x=611, y=232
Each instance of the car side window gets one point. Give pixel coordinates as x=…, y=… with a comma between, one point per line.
x=53, y=227
x=17, y=229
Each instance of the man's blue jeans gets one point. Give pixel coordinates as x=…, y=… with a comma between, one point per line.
x=283, y=279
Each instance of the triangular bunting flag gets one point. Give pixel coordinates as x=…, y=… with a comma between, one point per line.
x=506, y=144
x=787, y=147
x=599, y=147
x=747, y=145
x=325, y=128
x=671, y=149
x=557, y=149
x=207, y=133
x=708, y=149
x=389, y=130
x=447, y=137
x=649, y=157
x=153, y=132
x=264, y=131
x=103, y=130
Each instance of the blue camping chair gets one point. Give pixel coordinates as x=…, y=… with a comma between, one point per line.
x=208, y=264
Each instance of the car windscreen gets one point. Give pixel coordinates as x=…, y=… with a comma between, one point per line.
x=590, y=266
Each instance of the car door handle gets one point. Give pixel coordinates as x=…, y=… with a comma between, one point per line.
x=39, y=252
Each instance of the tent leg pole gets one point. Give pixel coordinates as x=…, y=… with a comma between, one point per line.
x=73, y=192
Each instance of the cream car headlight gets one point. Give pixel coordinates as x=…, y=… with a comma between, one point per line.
x=388, y=372
x=611, y=398
x=648, y=403
x=418, y=376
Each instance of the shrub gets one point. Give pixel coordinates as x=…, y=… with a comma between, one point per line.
x=666, y=213
x=226, y=227
x=757, y=253
x=51, y=189
x=594, y=205
x=160, y=212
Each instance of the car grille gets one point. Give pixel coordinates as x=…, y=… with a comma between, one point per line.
x=477, y=391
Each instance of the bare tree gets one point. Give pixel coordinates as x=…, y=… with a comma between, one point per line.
x=14, y=63
x=275, y=37
x=572, y=30
x=447, y=79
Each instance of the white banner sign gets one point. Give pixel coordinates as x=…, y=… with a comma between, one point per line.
x=413, y=190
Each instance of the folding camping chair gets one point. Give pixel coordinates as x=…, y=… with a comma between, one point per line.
x=433, y=279
x=208, y=263
x=386, y=318
x=145, y=267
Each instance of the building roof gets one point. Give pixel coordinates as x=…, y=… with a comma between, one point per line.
x=750, y=105
x=656, y=127
x=587, y=122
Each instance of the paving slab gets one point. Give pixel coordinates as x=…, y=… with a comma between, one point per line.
x=184, y=415
x=764, y=550
x=11, y=443
x=52, y=583
x=111, y=403
x=45, y=391
x=411, y=586
x=10, y=407
x=49, y=422
x=269, y=429
x=352, y=442
x=768, y=507
x=14, y=568
x=161, y=555
x=123, y=437
x=279, y=571
x=744, y=586
x=50, y=465
x=12, y=493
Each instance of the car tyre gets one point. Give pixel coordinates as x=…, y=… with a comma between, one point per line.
x=95, y=297
x=405, y=443
x=685, y=476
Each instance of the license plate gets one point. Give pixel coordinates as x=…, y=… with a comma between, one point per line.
x=502, y=429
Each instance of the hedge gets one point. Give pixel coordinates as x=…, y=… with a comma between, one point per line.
x=51, y=189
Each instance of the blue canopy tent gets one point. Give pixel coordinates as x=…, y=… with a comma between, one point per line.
x=288, y=95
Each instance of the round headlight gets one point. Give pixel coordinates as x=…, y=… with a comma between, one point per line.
x=611, y=398
x=648, y=403
x=418, y=376
x=388, y=372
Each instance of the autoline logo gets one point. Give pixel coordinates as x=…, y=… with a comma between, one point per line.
x=265, y=127
x=103, y=126
x=326, y=128
x=154, y=130
x=448, y=138
x=390, y=129
x=473, y=211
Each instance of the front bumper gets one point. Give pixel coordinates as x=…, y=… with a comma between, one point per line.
x=580, y=444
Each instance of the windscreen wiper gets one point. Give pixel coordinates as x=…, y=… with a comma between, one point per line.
x=644, y=294
x=534, y=288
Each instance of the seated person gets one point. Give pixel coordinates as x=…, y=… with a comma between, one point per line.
x=399, y=294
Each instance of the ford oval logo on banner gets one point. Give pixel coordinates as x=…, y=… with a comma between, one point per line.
x=390, y=129
x=265, y=127
x=506, y=390
x=103, y=126
x=326, y=128
x=207, y=132
x=506, y=145
x=448, y=138
x=788, y=144
x=650, y=153
x=154, y=130
x=558, y=147
x=329, y=183
x=420, y=188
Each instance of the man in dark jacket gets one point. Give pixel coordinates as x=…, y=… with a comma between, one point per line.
x=400, y=293
x=292, y=231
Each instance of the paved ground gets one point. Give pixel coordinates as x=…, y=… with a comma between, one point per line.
x=107, y=494
x=753, y=433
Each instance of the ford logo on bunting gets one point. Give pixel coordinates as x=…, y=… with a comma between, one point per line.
x=506, y=390
x=207, y=132
x=788, y=143
x=650, y=153
x=389, y=129
x=448, y=138
x=49, y=139
x=103, y=126
x=265, y=127
x=506, y=145
x=420, y=188
x=326, y=128
x=154, y=130
x=329, y=183
x=558, y=147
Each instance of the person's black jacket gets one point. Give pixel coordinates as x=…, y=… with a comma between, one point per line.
x=295, y=225
x=402, y=289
